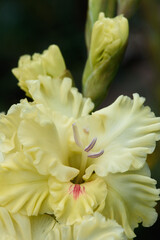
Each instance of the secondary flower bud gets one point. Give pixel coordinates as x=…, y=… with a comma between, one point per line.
x=94, y=8
x=108, y=42
x=50, y=63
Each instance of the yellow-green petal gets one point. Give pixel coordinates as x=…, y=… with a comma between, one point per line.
x=22, y=188
x=59, y=95
x=131, y=199
x=126, y=131
x=44, y=137
x=92, y=227
x=14, y=226
x=73, y=201
x=96, y=227
x=42, y=227
x=50, y=63
x=20, y=227
x=8, y=129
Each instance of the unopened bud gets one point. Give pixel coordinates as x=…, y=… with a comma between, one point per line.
x=94, y=8
x=108, y=43
x=50, y=63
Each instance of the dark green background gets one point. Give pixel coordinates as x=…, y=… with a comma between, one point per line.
x=28, y=26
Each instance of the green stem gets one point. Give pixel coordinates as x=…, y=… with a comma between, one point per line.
x=111, y=8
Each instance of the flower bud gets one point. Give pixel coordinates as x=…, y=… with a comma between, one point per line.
x=108, y=42
x=50, y=63
x=94, y=8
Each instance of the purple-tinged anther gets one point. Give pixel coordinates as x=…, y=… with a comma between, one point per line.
x=91, y=145
x=76, y=135
x=96, y=155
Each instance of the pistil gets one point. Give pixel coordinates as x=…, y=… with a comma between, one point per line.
x=85, y=152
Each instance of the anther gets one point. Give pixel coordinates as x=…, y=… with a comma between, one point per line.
x=76, y=135
x=96, y=155
x=91, y=145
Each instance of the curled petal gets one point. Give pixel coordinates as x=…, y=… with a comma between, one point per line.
x=60, y=96
x=22, y=188
x=42, y=227
x=131, y=199
x=44, y=139
x=96, y=227
x=93, y=227
x=50, y=63
x=73, y=201
x=20, y=227
x=126, y=130
x=8, y=129
x=14, y=226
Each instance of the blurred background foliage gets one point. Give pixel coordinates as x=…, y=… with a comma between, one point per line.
x=28, y=26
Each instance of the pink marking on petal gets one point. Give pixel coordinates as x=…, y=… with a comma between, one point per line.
x=77, y=190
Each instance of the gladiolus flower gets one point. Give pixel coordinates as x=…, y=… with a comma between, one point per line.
x=59, y=160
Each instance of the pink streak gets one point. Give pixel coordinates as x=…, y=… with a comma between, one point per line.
x=77, y=190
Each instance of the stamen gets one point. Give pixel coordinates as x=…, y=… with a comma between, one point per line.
x=96, y=155
x=76, y=135
x=91, y=145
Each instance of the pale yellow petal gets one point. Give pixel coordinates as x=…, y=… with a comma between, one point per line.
x=42, y=227
x=8, y=129
x=1, y=157
x=131, y=199
x=73, y=201
x=97, y=228
x=22, y=188
x=126, y=131
x=45, y=140
x=61, y=232
x=93, y=227
x=53, y=61
x=60, y=96
x=20, y=227
x=50, y=63
x=9, y=124
x=14, y=226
